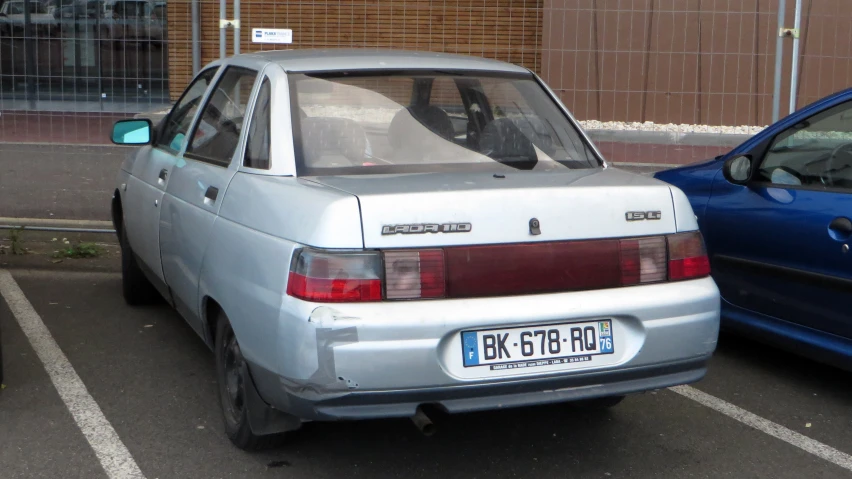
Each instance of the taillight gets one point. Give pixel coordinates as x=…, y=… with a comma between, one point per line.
x=643, y=260
x=687, y=256
x=495, y=270
x=414, y=274
x=330, y=277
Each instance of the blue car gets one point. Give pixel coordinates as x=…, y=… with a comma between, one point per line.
x=776, y=213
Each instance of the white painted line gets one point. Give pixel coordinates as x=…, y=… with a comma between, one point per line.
x=111, y=452
x=775, y=430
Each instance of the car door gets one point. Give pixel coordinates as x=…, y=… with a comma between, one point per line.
x=197, y=184
x=780, y=244
x=143, y=193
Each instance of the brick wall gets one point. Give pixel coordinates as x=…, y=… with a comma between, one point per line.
x=508, y=30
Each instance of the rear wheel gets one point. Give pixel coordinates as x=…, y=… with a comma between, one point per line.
x=231, y=371
x=599, y=403
x=135, y=286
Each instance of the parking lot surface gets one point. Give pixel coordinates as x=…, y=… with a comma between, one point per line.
x=152, y=379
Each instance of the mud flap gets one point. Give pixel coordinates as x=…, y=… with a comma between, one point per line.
x=263, y=418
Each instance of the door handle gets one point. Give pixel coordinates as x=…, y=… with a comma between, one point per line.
x=211, y=194
x=841, y=227
x=164, y=173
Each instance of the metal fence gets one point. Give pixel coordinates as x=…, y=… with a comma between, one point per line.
x=68, y=68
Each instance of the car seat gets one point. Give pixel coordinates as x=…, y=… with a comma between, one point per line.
x=333, y=142
x=406, y=133
x=503, y=141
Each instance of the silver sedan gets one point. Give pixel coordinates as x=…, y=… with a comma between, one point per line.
x=360, y=233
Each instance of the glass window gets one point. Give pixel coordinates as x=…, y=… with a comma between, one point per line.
x=257, y=144
x=815, y=152
x=217, y=131
x=177, y=124
x=396, y=122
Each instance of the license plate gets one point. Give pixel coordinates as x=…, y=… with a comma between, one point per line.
x=525, y=347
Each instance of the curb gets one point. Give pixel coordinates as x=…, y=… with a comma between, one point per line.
x=56, y=223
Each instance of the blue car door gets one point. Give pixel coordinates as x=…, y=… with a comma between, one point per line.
x=780, y=244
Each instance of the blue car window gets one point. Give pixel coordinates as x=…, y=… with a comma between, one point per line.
x=816, y=152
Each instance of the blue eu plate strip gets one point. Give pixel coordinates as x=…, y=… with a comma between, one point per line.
x=470, y=349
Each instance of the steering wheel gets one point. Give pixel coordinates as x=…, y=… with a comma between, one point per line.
x=827, y=178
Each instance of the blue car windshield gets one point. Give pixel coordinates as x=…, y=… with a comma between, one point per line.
x=400, y=122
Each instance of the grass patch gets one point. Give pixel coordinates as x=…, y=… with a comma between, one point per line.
x=16, y=243
x=81, y=250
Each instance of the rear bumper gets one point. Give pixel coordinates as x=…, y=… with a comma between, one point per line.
x=501, y=395
x=384, y=359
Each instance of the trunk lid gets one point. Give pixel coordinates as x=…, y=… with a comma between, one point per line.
x=435, y=209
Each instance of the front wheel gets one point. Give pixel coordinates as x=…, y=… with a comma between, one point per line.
x=231, y=375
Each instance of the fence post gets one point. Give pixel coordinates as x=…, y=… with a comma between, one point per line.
x=223, y=47
x=196, y=39
x=794, y=76
x=779, y=57
x=236, y=27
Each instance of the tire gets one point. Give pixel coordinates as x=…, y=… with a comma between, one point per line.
x=136, y=288
x=233, y=397
x=599, y=404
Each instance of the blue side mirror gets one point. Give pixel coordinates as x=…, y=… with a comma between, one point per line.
x=132, y=132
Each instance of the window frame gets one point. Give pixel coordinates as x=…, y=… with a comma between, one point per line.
x=165, y=121
x=239, y=150
x=767, y=146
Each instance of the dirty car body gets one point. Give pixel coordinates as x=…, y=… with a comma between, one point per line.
x=385, y=230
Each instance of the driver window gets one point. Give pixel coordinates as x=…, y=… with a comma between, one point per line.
x=815, y=152
x=217, y=131
x=179, y=120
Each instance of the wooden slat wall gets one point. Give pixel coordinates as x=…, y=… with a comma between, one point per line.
x=689, y=61
x=508, y=30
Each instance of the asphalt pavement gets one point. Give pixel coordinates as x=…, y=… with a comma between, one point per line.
x=153, y=380
x=58, y=181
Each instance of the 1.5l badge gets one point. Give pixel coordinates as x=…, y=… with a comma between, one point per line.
x=643, y=215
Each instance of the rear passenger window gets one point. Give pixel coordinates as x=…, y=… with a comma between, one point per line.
x=217, y=131
x=257, y=145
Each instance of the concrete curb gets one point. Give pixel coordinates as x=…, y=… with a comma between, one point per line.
x=56, y=223
x=667, y=138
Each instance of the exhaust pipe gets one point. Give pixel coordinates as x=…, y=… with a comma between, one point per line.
x=423, y=423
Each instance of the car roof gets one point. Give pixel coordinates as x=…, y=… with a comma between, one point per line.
x=304, y=60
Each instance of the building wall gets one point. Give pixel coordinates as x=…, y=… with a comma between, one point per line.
x=509, y=30
x=689, y=61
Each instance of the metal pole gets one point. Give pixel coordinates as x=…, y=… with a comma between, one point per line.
x=57, y=229
x=223, y=48
x=794, y=78
x=779, y=54
x=29, y=54
x=236, y=27
x=196, y=40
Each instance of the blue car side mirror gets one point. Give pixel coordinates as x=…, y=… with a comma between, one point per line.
x=737, y=170
x=132, y=132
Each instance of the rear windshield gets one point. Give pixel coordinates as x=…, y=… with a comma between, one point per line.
x=411, y=122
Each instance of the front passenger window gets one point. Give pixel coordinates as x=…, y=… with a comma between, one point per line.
x=217, y=131
x=177, y=124
x=816, y=152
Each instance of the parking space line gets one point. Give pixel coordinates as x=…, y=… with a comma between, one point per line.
x=110, y=451
x=775, y=430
